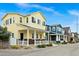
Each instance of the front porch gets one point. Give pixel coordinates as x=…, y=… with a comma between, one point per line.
x=56, y=37
x=31, y=37
x=27, y=42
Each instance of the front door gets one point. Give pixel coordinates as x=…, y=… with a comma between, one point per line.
x=21, y=36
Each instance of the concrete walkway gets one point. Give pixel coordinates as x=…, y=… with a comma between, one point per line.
x=62, y=50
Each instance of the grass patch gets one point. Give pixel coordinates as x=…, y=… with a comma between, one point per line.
x=15, y=46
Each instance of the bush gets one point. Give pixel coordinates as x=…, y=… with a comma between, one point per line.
x=15, y=47
x=64, y=42
x=50, y=44
x=41, y=46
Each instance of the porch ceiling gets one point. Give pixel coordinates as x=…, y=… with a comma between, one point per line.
x=55, y=34
x=30, y=28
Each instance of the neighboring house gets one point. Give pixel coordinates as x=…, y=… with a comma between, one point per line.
x=25, y=30
x=67, y=32
x=74, y=37
x=55, y=33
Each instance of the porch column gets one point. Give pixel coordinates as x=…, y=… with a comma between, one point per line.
x=27, y=37
x=48, y=37
x=67, y=38
x=34, y=37
x=57, y=38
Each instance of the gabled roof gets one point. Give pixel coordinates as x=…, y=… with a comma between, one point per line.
x=66, y=28
x=57, y=25
x=23, y=15
x=11, y=13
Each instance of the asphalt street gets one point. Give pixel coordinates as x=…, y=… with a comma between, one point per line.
x=61, y=50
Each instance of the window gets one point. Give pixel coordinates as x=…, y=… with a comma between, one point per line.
x=20, y=19
x=36, y=35
x=7, y=22
x=38, y=21
x=32, y=35
x=44, y=23
x=53, y=28
x=10, y=21
x=33, y=20
x=27, y=20
x=13, y=20
x=12, y=35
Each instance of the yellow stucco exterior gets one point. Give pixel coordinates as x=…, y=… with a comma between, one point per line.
x=26, y=26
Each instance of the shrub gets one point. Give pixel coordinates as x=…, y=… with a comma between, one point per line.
x=50, y=44
x=15, y=47
x=41, y=46
x=64, y=42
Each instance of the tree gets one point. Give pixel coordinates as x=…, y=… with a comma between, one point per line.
x=4, y=35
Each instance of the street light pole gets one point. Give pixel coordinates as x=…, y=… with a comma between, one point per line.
x=77, y=25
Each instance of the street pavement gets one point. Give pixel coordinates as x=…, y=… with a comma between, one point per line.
x=61, y=50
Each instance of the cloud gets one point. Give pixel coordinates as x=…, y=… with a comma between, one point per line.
x=75, y=23
x=74, y=12
x=48, y=9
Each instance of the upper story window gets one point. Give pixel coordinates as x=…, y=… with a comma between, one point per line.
x=53, y=28
x=36, y=35
x=27, y=20
x=38, y=21
x=43, y=23
x=33, y=20
x=10, y=21
x=20, y=19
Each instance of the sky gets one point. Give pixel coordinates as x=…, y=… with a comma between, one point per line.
x=65, y=14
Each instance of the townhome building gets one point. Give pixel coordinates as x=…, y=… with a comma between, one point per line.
x=74, y=37
x=25, y=29
x=67, y=32
x=55, y=33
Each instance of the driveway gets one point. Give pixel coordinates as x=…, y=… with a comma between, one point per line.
x=62, y=50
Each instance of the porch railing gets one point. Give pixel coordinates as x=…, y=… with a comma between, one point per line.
x=24, y=43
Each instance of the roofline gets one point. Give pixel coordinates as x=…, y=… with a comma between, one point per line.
x=23, y=15
x=11, y=13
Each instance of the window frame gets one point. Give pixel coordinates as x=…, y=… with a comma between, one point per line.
x=10, y=21
x=37, y=35
x=38, y=21
x=27, y=20
x=20, y=19
x=33, y=20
